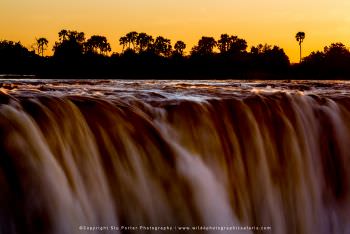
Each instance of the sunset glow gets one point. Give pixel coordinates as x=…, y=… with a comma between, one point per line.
x=271, y=21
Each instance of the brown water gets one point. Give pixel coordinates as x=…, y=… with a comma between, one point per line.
x=174, y=153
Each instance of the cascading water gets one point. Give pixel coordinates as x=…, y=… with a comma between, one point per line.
x=174, y=154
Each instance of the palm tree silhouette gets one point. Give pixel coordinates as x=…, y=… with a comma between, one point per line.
x=300, y=36
x=41, y=44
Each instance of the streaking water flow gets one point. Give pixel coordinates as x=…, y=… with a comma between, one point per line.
x=174, y=153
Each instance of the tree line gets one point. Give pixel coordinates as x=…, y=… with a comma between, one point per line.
x=143, y=54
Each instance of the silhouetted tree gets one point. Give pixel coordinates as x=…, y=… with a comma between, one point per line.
x=162, y=46
x=270, y=58
x=332, y=62
x=144, y=42
x=275, y=58
x=15, y=58
x=231, y=44
x=337, y=58
x=123, y=41
x=41, y=44
x=97, y=45
x=224, y=42
x=300, y=36
x=63, y=35
x=70, y=45
x=315, y=61
x=131, y=39
x=337, y=50
x=205, y=46
x=76, y=36
x=179, y=47
x=237, y=45
x=66, y=35
x=317, y=56
x=259, y=49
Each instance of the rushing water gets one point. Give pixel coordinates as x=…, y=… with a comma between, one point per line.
x=174, y=154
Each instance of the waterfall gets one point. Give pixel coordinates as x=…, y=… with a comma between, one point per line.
x=277, y=160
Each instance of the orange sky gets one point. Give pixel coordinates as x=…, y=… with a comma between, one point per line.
x=257, y=21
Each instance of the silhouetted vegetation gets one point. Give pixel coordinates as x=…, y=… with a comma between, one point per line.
x=300, y=36
x=179, y=48
x=333, y=61
x=15, y=58
x=144, y=55
x=41, y=44
x=97, y=45
x=70, y=46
